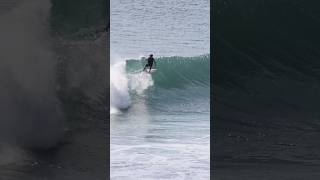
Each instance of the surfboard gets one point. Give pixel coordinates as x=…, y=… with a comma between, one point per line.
x=151, y=71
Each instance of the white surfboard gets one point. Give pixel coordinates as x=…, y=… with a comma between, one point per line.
x=150, y=71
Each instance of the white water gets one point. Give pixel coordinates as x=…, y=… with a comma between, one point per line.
x=119, y=90
x=121, y=83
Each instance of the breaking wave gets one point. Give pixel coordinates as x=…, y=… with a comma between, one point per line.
x=173, y=74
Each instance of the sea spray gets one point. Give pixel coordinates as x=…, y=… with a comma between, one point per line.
x=119, y=91
x=139, y=82
x=122, y=83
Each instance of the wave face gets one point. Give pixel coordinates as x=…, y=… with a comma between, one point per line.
x=266, y=76
x=176, y=79
x=177, y=72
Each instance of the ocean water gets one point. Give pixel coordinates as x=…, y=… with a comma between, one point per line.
x=160, y=122
x=266, y=89
x=166, y=28
x=53, y=84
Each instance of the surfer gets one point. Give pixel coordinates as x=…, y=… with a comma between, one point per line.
x=150, y=62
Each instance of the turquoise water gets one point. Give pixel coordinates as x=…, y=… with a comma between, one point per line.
x=160, y=122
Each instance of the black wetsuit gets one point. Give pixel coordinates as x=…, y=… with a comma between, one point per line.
x=150, y=63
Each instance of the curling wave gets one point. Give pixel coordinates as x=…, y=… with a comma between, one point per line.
x=175, y=75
